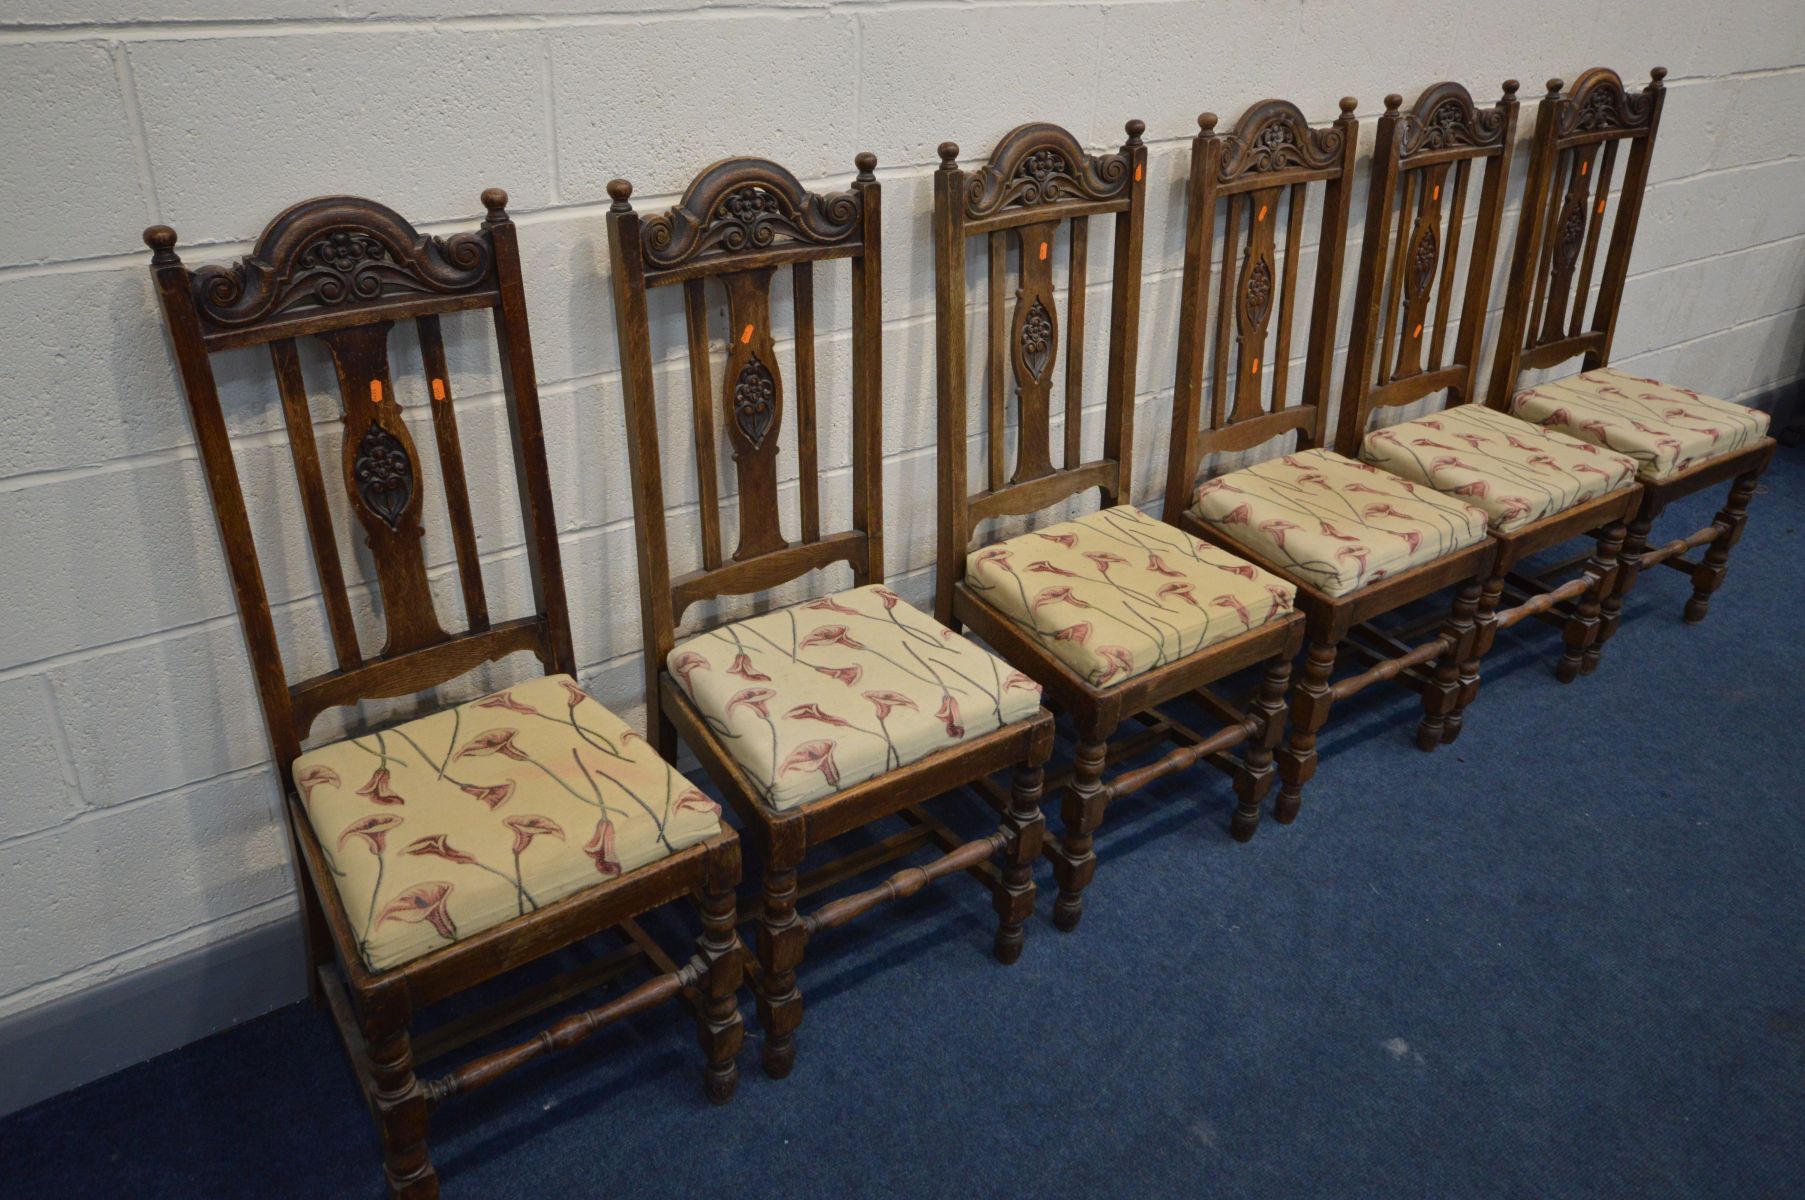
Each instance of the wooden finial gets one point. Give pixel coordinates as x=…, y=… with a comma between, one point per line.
x=1393, y=102
x=1135, y=128
x=1206, y=122
x=1555, y=86
x=949, y=156
x=161, y=240
x=866, y=162
x=1510, y=87
x=1658, y=74
x=620, y=191
x=496, y=201
x=1348, y=105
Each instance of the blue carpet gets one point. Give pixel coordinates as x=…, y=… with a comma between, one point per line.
x=1562, y=958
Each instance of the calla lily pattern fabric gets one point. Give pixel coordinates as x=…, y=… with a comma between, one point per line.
x=1117, y=593
x=456, y=822
x=1664, y=428
x=1334, y=523
x=822, y=695
x=1517, y=472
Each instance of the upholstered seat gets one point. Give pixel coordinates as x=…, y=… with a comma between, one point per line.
x=825, y=694
x=1666, y=429
x=1517, y=472
x=1117, y=593
x=453, y=823
x=1336, y=523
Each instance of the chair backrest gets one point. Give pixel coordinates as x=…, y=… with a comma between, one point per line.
x=1037, y=178
x=1422, y=176
x=739, y=222
x=345, y=270
x=1579, y=135
x=1260, y=175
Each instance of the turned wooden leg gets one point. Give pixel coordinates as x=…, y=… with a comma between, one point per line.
x=780, y=940
x=1582, y=627
x=1310, y=700
x=1441, y=696
x=1081, y=811
x=718, y=1023
x=1710, y=573
x=1610, y=610
x=1485, y=632
x=1014, y=901
x=1255, y=774
x=397, y=1100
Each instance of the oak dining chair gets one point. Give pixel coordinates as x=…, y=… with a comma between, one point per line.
x=1681, y=441
x=1113, y=613
x=441, y=852
x=823, y=717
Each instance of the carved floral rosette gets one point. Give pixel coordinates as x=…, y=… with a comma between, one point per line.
x=336, y=251
x=1599, y=103
x=1445, y=118
x=746, y=204
x=1274, y=136
x=1041, y=164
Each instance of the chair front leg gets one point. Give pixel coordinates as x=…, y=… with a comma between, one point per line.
x=1255, y=774
x=1610, y=611
x=1485, y=632
x=397, y=1100
x=781, y=937
x=1581, y=631
x=718, y=1023
x=1710, y=573
x=1081, y=811
x=1014, y=901
x=1310, y=701
x=1441, y=697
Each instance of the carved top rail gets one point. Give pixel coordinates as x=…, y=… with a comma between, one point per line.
x=335, y=261
x=742, y=213
x=1599, y=107
x=1444, y=123
x=1038, y=172
x=1273, y=145
x=344, y=270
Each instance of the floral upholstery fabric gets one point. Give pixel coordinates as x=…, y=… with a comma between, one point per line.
x=1335, y=523
x=1517, y=472
x=825, y=694
x=458, y=821
x=1664, y=428
x=1117, y=593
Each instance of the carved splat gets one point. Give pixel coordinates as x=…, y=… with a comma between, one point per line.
x=1256, y=294
x=1036, y=345
x=753, y=404
x=1569, y=234
x=1421, y=257
x=382, y=472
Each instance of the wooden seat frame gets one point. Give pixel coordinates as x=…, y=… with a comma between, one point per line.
x=740, y=221
x=1558, y=238
x=345, y=270
x=1037, y=178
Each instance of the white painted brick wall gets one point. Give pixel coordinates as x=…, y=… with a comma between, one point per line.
x=139, y=821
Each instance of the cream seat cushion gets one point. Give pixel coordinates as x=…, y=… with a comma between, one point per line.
x=1664, y=428
x=1336, y=524
x=1517, y=472
x=825, y=694
x=458, y=821
x=1117, y=593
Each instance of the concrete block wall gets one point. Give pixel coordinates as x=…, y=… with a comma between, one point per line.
x=140, y=832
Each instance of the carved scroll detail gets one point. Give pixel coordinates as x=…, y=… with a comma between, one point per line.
x=1425, y=252
x=384, y=473
x=747, y=204
x=1037, y=339
x=1256, y=292
x=1041, y=164
x=1274, y=136
x=1445, y=118
x=1572, y=234
x=754, y=401
x=1598, y=102
x=336, y=251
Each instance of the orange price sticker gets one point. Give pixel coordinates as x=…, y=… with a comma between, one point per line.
x=1584, y=167
x=1436, y=194
x=438, y=389
x=1256, y=366
x=1601, y=206
x=1043, y=252
x=745, y=335
x=1418, y=331
x=1262, y=215
x=1137, y=173
x=375, y=391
